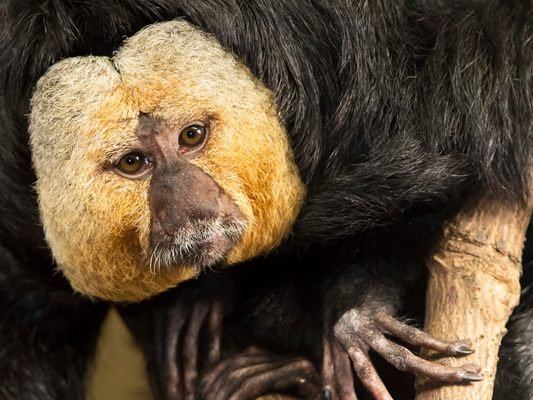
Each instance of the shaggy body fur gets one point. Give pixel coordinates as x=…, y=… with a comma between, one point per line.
x=395, y=112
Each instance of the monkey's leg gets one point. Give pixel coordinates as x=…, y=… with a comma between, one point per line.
x=255, y=372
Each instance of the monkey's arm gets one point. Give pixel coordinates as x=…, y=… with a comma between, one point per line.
x=378, y=192
x=47, y=335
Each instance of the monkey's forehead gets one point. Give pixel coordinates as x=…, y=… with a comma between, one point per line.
x=163, y=48
x=165, y=59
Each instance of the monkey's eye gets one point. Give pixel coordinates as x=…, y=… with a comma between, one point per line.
x=192, y=137
x=133, y=165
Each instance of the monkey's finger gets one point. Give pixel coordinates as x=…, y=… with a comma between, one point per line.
x=367, y=374
x=223, y=368
x=168, y=354
x=328, y=371
x=234, y=376
x=298, y=375
x=216, y=317
x=190, y=349
x=344, y=380
x=417, y=337
x=405, y=360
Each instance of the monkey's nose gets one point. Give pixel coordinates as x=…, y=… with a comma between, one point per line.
x=179, y=201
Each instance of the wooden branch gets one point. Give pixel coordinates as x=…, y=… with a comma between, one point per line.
x=473, y=288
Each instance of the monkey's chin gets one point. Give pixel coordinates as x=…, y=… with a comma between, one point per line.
x=201, y=244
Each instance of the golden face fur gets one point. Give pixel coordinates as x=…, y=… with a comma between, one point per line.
x=85, y=113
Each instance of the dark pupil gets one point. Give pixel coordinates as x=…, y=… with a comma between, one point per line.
x=191, y=133
x=131, y=160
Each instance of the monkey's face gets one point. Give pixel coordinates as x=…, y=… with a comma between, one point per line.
x=163, y=160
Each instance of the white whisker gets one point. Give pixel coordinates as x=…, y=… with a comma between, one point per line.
x=192, y=244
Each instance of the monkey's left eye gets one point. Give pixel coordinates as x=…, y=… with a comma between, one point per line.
x=192, y=137
x=133, y=165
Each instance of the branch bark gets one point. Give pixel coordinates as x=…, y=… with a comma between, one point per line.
x=473, y=288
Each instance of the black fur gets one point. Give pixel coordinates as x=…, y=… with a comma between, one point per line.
x=397, y=112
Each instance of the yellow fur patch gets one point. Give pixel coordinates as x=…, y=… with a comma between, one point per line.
x=84, y=114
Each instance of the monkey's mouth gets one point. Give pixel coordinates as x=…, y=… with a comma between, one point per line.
x=201, y=244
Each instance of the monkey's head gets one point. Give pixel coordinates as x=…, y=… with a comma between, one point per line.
x=163, y=160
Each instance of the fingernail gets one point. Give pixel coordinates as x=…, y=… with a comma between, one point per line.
x=470, y=377
x=463, y=350
x=326, y=393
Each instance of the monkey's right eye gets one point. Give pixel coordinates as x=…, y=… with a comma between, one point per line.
x=133, y=165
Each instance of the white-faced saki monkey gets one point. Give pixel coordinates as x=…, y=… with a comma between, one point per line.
x=297, y=158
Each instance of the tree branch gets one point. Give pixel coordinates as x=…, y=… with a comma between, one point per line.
x=473, y=288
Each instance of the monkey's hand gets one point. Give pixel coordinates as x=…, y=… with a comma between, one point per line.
x=255, y=372
x=357, y=332
x=180, y=333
